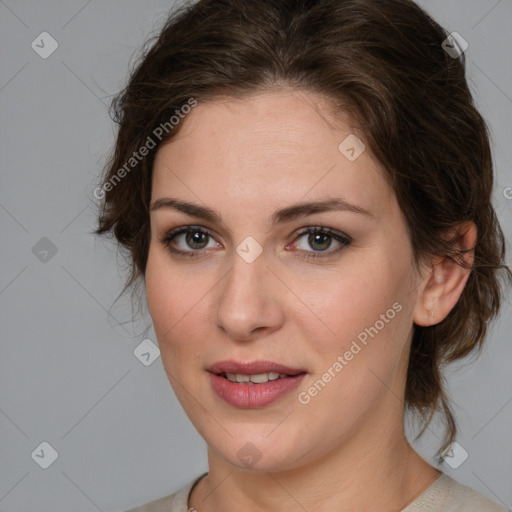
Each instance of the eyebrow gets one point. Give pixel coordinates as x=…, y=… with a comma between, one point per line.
x=283, y=215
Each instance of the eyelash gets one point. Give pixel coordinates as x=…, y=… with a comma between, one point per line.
x=340, y=237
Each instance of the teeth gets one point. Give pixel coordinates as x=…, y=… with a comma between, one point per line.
x=259, y=378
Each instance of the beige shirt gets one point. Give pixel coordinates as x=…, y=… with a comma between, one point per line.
x=444, y=495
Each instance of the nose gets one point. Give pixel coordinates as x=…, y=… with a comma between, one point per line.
x=249, y=302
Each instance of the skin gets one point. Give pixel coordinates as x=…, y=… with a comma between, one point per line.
x=246, y=158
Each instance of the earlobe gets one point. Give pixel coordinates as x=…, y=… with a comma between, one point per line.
x=445, y=282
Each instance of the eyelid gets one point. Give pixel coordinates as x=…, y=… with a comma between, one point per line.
x=323, y=229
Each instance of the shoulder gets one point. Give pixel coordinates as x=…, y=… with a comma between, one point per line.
x=177, y=502
x=448, y=495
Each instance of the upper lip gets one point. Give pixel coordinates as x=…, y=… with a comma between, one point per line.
x=252, y=367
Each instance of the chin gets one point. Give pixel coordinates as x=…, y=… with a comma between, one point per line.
x=260, y=452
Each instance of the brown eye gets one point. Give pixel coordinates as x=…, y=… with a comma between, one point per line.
x=320, y=240
x=196, y=239
x=189, y=241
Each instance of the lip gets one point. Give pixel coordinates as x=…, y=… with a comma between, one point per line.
x=251, y=396
x=252, y=367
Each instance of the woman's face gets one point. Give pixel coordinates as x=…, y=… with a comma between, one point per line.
x=253, y=293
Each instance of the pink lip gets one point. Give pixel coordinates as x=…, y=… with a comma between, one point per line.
x=250, y=396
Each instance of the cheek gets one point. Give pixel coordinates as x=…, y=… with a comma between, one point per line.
x=157, y=291
x=175, y=301
x=342, y=303
x=162, y=291
x=357, y=350
x=358, y=336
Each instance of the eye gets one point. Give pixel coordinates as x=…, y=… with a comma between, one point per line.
x=191, y=240
x=320, y=239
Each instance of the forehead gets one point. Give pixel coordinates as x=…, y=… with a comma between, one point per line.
x=283, y=144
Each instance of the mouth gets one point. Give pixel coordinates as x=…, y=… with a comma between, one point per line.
x=253, y=384
x=258, y=378
x=255, y=372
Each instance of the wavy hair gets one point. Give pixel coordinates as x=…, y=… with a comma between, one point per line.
x=382, y=62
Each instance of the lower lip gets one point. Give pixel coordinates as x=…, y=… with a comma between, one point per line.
x=247, y=396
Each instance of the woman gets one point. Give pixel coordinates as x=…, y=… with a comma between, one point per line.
x=304, y=187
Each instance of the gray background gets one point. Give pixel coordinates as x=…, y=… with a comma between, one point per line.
x=68, y=374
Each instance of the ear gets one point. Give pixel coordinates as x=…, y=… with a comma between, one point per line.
x=445, y=280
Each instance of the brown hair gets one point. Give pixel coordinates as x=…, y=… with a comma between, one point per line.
x=384, y=63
